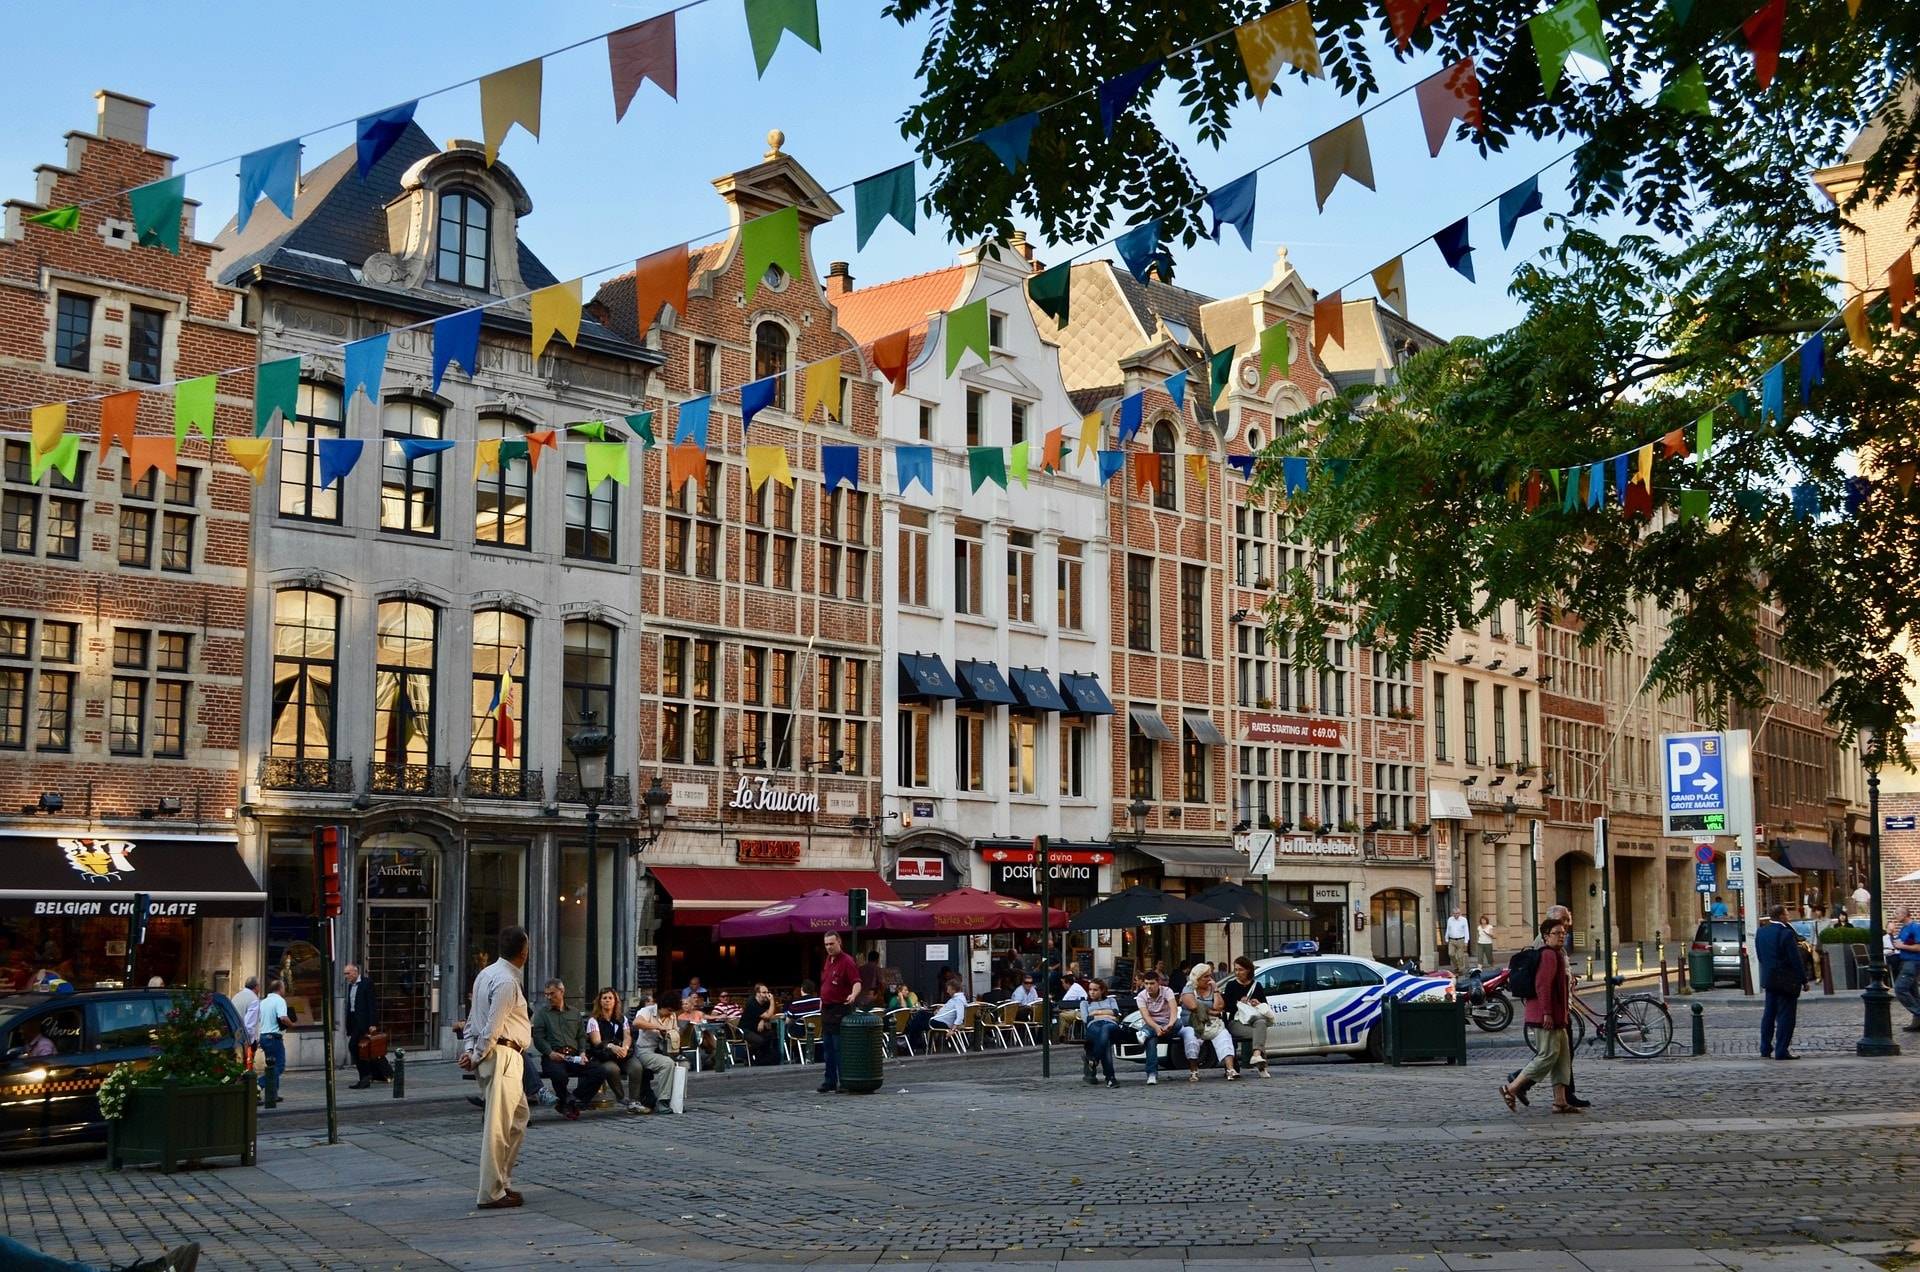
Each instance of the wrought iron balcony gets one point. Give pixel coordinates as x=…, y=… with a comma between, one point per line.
x=619, y=790
x=489, y=783
x=432, y=781
x=286, y=773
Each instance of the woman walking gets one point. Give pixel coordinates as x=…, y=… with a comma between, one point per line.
x=1548, y=1012
x=1485, y=935
x=1102, y=1015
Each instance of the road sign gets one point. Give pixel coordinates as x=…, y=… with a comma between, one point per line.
x=1703, y=876
x=1703, y=854
x=1736, y=871
x=1258, y=845
x=1901, y=823
x=1694, y=782
x=1599, y=843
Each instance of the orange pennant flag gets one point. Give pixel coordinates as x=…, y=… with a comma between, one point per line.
x=685, y=461
x=1674, y=443
x=1053, y=455
x=1146, y=472
x=660, y=279
x=1855, y=316
x=1329, y=321
x=1449, y=95
x=147, y=453
x=1900, y=286
x=1533, y=490
x=534, y=442
x=119, y=413
x=890, y=355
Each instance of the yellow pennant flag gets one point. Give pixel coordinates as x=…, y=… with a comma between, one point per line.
x=1197, y=465
x=1643, y=466
x=1090, y=426
x=251, y=454
x=1855, y=316
x=49, y=423
x=1340, y=153
x=556, y=312
x=820, y=386
x=768, y=461
x=486, y=457
x=507, y=98
x=1903, y=471
x=1283, y=37
x=1391, y=282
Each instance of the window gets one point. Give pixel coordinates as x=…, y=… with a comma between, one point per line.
x=969, y=565
x=503, y=497
x=1499, y=724
x=305, y=626
x=915, y=545
x=1020, y=576
x=1392, y=684
x=464, y=229
x=840, y=702
x=1164, y=495
x=766, y=679
x=169, y=726
x=1333, y=678
x=970, y=751
x=1068, y=574
x=592, y=516
x=1519, y=623
x=1073, y=759
x=1019, y=422
x=786, y=548
x=137, y=524
x=926, y=421
x=770, y=358
x=1526, y=742
x=976, y=416
x=1139, y=602
x=499, y=693
x=705, y=354
x=829, y=569
x=1336, y=790
x=16, y=636
x=1255, y=791
x=20, y=510
x=1393, y=795
x=410, y=473
x=1496, y=628
x=146, y=329
x=1143, y=761
x=997, y=332
x=1470, y=720
x=1193, y=606
x=73, y=332
x=688, y=729
x=1193, y=771
x=322, y=414
x=915, y=726
x=1023, y=742
x=403, y=683
x=706, y=531
x=52, y=713
x=1439, y=717
x=586, y=674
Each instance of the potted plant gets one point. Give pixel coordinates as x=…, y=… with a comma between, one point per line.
x=193, y=1100
x=1263, y=583
x=1836, y=944
x=1265, y=704
x=1309, y=825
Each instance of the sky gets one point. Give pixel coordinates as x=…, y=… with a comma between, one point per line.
x=227, y=80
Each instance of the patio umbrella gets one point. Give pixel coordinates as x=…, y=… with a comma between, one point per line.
x=971, y=910
x=1144, y=907
x=1911, y=878
x=1243, y=904
x=821, y=910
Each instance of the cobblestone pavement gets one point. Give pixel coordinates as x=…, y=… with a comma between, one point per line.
x=1724, y=1161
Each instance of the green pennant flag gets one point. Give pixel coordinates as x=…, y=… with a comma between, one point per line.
x=1688, y=92
x=642, y=425
x=604, y=460
x=967, y=328
x=1553, y=475
x=1695, y=505
x=67, y=218
x=771, y=240
x=63, y=455
x=591, y=428
x=1751, y=502
x=1276, y=349
x=156, y=212
x=1682, y=10
x=1572, y=494
x=511, y=450
x=1742, y=403
x=276, y=387
x=768, y=19
x=1573, y=26
x=883, y=195
x=1019, y=465
x=1052, y=292
x=1702, y=439
x=987, y=464
x=193, y=406
x=1218, y=368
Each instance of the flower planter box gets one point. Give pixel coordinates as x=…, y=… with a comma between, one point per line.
x=1425, y=1031
x=166, y=1126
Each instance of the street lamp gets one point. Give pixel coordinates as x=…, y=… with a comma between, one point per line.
x=1138, y=810
x=589, y=746
x=656, y=799
x=1876, y=1037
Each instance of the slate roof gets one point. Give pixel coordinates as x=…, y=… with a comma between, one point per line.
x=1153, y=299
x=884, y=308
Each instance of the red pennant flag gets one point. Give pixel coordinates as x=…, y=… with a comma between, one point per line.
x=1329, y=320
x=1146, y=473
x=890, y=354
x=1638, y=501
x=534, y=442
x=146, y=453
x=1452, y=94
x=1900, y=286
x=1533, y=490
x=644, y=51
x=1408, y=16
x=1763, y=34
x=660, y=279
x=119, y=414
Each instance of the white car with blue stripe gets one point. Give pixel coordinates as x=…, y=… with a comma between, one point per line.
x=1328, y=1003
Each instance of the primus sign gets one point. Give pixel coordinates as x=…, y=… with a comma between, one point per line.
x=758, y=795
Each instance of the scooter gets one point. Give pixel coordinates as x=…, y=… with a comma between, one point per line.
x=1488, y=1005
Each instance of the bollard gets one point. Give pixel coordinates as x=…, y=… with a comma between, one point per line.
x=1826, y=973
x=1699, y=1030
x=399, y=1075
x=1663, y=974
x=1639, y=958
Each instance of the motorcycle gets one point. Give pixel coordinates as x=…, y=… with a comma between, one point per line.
x=1488, y=1005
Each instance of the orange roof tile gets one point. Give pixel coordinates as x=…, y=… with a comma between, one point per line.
x=872, y=312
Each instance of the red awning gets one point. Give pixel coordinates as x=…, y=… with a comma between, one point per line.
x=704, y=895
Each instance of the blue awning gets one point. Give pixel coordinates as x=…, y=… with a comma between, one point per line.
x=1085, y=695
x=1035, y=688
x=981, y=682
x=924, y=677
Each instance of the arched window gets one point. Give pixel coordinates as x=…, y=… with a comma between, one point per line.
x=465, y=220
x=1164, y=446
x=497, y=756
x=403, y=691
x=305, y=645
x=1396, y=926
x=587, y=676
x=770, y=358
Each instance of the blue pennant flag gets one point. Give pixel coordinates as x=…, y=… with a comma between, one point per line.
x=911, y=464
x=1516, y=203
x=1773, y=392
x=1176, y=387
x=1596, y=486
x=456, y=338
x=1131, y=408
x=1858, y=489
x=1111, y=462
x=1453, y=245
x=273, y=172
x=840, y=463
x=374, y=135
x=414, y=447
x=1139, y=248
x=1813, y=365
x=755, y=397
x=1118, y=93
x=692, y=424
x=366, y=363
x=1010, y=140
x=338, y=455
x=1806, y=502
x=1232, y=204
x=1620, y=478
x=1244, y=463
x=1293, y=469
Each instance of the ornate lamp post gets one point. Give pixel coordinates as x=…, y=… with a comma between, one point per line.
x=656, y=799
x=589, y=746
x=1876, y=1038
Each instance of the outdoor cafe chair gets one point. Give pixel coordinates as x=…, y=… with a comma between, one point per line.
x=806, y=1036
x=956, y=1035
x=897, y=1022
x=1006, y=1024
x=734, y=1038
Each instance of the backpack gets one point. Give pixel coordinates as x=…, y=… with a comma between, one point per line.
x=1522, y=968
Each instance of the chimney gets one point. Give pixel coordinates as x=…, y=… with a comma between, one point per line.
x=839, y=281
x=122, y=118
x=1018, y=242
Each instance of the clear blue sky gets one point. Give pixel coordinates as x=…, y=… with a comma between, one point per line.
x=227, y=79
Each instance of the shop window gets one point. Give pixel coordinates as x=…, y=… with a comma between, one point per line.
x=1395, y=918
x=496, y=899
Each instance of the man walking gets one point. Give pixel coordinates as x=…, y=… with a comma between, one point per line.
x=1906, y=979
x=362, y=1015
x=498, y=1033
x=1548, y=1012
x=1782, y=975
x=1459, y=931
x=247, y=1003
x=274, y=1023
x=839, y=990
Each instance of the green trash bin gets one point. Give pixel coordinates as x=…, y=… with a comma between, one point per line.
x=1699, y=970
x=862, y=1052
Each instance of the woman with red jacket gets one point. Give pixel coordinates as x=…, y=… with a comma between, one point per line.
x=1548, y=1012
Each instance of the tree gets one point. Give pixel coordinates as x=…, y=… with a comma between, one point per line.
x=1623, y=341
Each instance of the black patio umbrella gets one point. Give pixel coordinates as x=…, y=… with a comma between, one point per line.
x=1144, y=907
x=1243, y=904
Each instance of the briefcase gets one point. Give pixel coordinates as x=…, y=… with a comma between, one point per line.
x=373, y=1045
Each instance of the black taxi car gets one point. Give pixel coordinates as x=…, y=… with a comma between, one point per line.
x=56, y=1050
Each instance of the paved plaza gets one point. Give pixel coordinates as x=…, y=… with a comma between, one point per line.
x=1717, y=1162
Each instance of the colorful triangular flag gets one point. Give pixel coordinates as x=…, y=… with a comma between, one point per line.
x=968, y=327
x=773, y=239
x=768, y=20
x=374, y=135
x=509, y=97
x=1281, y=38
x=1342, y=152
x=1451, y=94
x=885, y=194
x=644, y=51
x=1232, y=204
x=273, y=172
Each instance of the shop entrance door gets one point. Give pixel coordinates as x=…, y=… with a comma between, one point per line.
x=400, y=945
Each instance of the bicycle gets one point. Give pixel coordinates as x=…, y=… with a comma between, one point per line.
x=1640, y=1024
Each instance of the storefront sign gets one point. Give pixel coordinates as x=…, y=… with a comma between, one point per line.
x=923, y=808
x=1300, y=846
x=764, y=852
x=1498, y=795
x=1016, y=880
x=187, y=876
x=117, y=909
x=1290, y=731
x=1330, y=893
x=843, y=804
x=759, y=795
x=921, y=869
x=1078, y=857
x=691, y=795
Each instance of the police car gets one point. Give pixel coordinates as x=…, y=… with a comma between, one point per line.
x=1332, y=1003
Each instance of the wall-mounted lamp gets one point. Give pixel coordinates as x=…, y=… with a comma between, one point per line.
x=1464, y=659
x=1470, y=780
x=1423, y=829
x=1239, y=616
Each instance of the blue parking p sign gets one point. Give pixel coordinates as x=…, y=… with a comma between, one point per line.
x=1694, y=781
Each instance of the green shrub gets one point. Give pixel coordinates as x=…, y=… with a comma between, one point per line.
x=1840, y=934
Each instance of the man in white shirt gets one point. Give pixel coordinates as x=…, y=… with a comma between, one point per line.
x=498, y=1033
x=1459, y=931
x=247, y=1003
x=656, y=1036
x=275, y=1019
x=949, y=1016
x=1072, y=998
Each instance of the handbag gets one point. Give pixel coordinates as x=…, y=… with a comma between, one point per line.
x=1250, y=1010
x=373, y=1045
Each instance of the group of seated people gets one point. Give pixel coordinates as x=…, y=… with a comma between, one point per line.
x=1205, y=1014
x=631, y=1055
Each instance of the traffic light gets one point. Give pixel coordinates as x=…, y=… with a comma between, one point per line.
x=327, y=843
x=856, y=908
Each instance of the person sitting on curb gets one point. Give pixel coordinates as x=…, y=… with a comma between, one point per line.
x=1102, y=1016
x=560, y=1038
x=1241, y=987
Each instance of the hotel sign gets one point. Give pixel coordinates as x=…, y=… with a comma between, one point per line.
x=1290, y=731
x=1301, y=846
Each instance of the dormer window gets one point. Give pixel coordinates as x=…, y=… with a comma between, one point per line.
x=770, y=358
x=464, y=222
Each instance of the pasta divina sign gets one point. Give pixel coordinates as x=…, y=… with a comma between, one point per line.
x=767, y=852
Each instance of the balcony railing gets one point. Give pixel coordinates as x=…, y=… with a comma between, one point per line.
x=619, y=790
x=285, y=773
x=486, y=783
x=432, y=781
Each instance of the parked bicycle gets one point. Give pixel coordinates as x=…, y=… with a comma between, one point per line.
x=1640, y=1024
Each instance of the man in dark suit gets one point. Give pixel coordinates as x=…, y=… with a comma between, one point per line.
x=363, y=1017
x=1782, y=975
